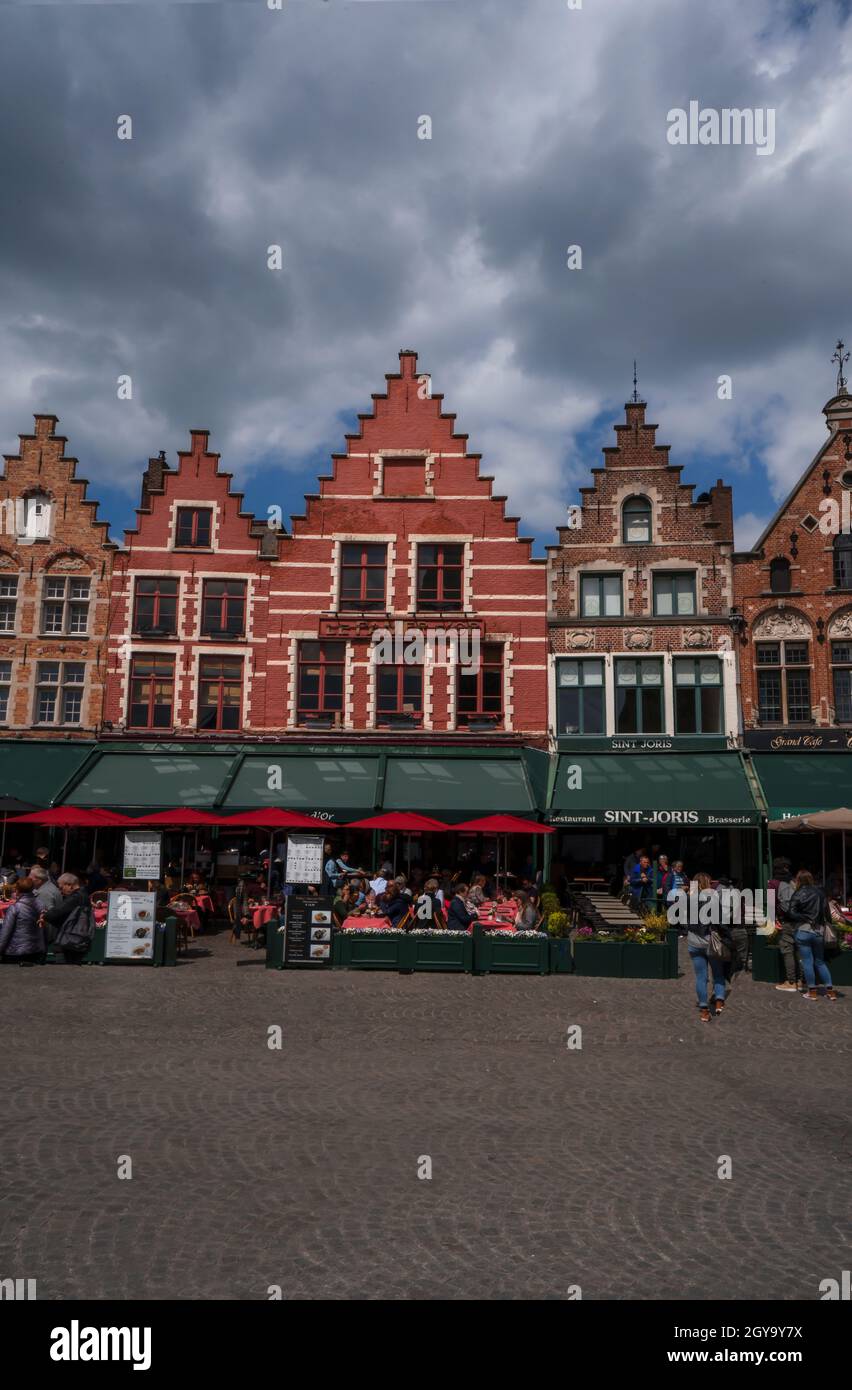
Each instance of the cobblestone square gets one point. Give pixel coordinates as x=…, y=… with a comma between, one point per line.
x=551, y=1167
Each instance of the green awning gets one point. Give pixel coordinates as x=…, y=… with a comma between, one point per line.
x=796, y=783
x=153, y=781
x=37, y=771
x=695, y=789
x=458, y=788
x=344, y=785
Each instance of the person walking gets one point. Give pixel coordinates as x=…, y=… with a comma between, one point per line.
x=810, y=916
x=642, y=890
x=782, y=885
x=21, y=936
x=72, y=921
x=699, y=945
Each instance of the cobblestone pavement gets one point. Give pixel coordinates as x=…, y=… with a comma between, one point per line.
x=298, y=1167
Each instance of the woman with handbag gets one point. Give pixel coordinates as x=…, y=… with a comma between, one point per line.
x=708, y=948
x=811, y=918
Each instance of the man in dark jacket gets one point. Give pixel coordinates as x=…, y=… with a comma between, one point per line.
x=21, y=936
x=458, y=917
x=75, y=901
x=782, y=885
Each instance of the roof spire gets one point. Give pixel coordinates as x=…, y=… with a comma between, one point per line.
x=840, y=357
x=636, y=398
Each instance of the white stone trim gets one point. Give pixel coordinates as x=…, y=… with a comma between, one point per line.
x=198, y=504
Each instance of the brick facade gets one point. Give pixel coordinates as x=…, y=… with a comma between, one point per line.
x=650, y=585
x=408, y=485
x=170, y=621
x=794, y=592
x=55, y=561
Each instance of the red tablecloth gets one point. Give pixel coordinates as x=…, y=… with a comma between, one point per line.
x=362, y=922
x=190, y=916
x=100, y=910
x=4, y=905
x=262, y=915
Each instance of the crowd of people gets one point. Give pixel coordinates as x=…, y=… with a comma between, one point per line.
x=443, y=899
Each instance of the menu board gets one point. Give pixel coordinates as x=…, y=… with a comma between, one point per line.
x=304, y=859
x=307, y=931
x=142, y=854
x=131, y=923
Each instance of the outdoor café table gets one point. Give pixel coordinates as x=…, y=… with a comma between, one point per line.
x=581, y=880
x=100, y=911
x=189, y=916
x=261, y=915
x=362, y=922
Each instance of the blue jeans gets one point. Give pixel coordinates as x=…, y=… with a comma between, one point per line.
x=700, y=961
x=812, y=951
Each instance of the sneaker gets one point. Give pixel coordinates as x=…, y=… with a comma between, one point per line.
x=831, y=993
x=705, y=1016
x=810, y=994
x=788, y=987
x=720, y=1004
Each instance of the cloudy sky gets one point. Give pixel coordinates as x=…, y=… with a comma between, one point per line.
x=254, y=127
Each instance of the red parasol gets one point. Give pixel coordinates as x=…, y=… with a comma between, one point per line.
x=182, y=816
x=408, y=821
x=505, y=825
x=69, y=817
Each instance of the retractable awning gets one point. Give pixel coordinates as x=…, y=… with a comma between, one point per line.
x=37, y=771
x=694, y=789
x=459, y=788
x=142, y=780
x=797, y=784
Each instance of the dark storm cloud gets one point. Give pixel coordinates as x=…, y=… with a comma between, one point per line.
x=254, y=128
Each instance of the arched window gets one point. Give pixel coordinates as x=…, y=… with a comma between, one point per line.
x=843, y=560
x=636, y=521
x=779, y=575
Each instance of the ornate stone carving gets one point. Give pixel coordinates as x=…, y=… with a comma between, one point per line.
x=639, y=640
x=696, y=637
x=781, y=625
x=7, y=562
x=68, y=562
x=840, y=625
x=580, y=640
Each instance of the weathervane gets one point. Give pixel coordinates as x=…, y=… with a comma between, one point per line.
x=840, y=357
x=635, y=387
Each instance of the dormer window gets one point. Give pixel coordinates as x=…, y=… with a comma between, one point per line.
x=636, y=521
x=194, y=528
x=32, y=517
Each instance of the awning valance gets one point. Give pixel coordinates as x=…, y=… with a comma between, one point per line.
x=694, y=789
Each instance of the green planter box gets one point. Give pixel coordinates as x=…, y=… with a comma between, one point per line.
x=840, y=965
x=506, y=954
x=766, y=963
x=627, y=960
x=561, y=956
x=431, y=952
x=367, y=952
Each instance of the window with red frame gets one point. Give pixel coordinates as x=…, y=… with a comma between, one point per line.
x=322, y=667
x=220, y=692
x=223, y=608
x=480, y=692
x=155, y=607
x=363, y=576
x=152, y=692
x=194, y=528
x=399, y=695
x=440, y=571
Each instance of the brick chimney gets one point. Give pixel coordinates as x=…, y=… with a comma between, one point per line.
x=152, y=478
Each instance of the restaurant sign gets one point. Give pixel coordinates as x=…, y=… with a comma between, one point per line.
x=645, y=743
x=142, y=854
x=131, y=923
x=719, y=819
x=794, y=741
x=307, y=931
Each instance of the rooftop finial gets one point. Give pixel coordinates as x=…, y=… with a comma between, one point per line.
x=637, y=399
x=840, y=357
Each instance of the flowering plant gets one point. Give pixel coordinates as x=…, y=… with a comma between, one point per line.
x=435, y=931
x=372, y=931
x=515, y=934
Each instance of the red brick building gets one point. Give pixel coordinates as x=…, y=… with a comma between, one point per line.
x=640, y=599
x=188, y=633
x=794, y=592
x=55, y=563
x=223, y=626
x=407, y=530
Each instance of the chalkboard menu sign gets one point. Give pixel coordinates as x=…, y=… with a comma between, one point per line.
x=307, y=931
